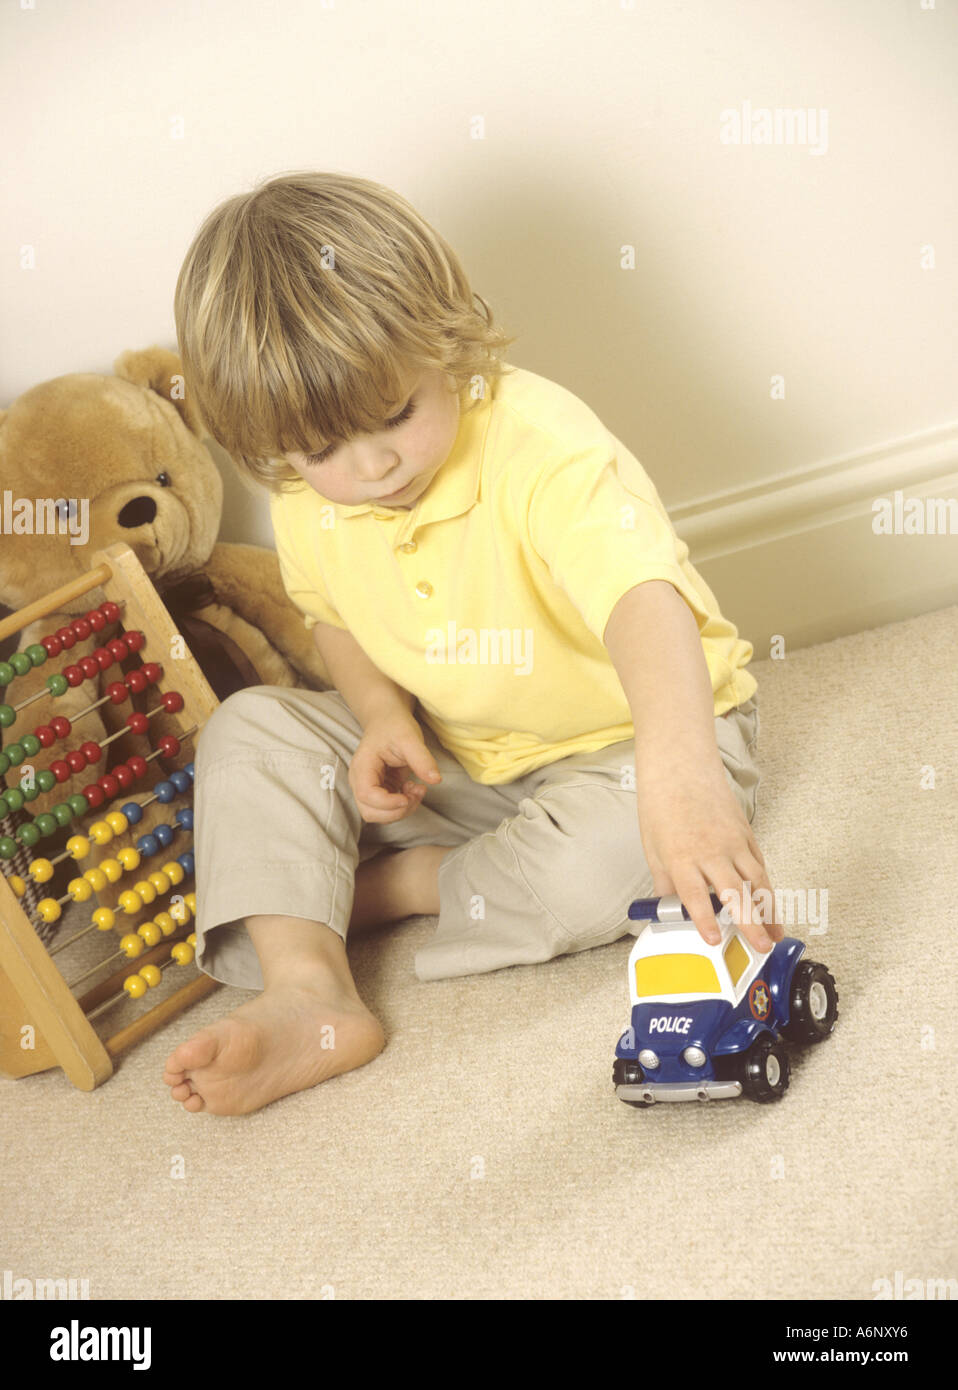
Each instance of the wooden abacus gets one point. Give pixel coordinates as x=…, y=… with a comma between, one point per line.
x=43, y=1022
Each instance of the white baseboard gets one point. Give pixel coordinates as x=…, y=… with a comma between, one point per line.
x=798, y=557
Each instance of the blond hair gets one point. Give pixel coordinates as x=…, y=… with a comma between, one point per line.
x=305, y=309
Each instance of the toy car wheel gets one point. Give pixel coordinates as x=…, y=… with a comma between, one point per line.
x=813, y=1001
x=765, y=1070
x=626, y=1072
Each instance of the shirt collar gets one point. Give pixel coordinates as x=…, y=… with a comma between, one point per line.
x=455, y=488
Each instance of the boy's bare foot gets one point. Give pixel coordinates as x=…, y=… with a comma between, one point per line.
x=308, y=1024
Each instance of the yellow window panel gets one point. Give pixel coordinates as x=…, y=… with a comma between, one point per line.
x=736, y=958
x=675, y=974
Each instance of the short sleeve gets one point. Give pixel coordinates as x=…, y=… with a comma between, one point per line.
x=301, y=576
x=600, y=536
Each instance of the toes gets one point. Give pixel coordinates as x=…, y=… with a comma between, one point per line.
x=198, y=1051
x=182, y=1092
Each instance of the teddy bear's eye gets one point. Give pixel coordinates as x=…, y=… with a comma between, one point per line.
x=164, y=480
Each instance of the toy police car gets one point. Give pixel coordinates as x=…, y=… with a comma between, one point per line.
x=708, y=1021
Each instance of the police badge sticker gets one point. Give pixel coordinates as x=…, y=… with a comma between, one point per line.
x=759, y=1000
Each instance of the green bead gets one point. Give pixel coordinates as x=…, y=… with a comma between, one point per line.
x=77, y=802
x=15, y=753
x=31, y=744
x=46, y=780
x=8, y=716
x=46, y=824
x=21, y=663
x=8, y=847
x=30, y=790
x=36, y=653
x=57, y=685
x=14, y=799
x=63, y=813
x=4, y=764
x=28, y=835
x=7, y=673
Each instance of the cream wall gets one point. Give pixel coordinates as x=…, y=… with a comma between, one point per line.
x=544, y=140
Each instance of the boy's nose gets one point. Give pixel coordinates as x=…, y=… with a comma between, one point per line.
x=139, y=512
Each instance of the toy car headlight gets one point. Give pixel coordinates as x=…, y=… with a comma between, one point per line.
x=694, y=1056
x=648, y=1059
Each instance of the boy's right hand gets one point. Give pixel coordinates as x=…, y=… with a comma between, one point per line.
x=391, y=749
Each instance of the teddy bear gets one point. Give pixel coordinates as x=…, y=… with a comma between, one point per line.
x=122, y=459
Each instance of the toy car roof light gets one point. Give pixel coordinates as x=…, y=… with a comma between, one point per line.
x=669, y=909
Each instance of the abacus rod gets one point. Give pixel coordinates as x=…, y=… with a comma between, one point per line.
x=51, y=602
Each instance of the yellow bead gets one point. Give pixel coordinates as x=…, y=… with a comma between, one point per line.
x=129, y=902
x=160, y=881
x=100, y=833
x=146, y=891
x=78, y=846
x=165, y=923
x=96, y=878
x=129, y=857
x=191, y=902
x=79, y=890
x=104, y=919
x=135, y=987
x=192, y=939
x=41, y=871
x=131, y=946
x=117, y=822
x=49, y=910
x=182, y=953
x=173, y=871
x=112, y=868
x=18, y=885
x=150, y=933
x=152, y=974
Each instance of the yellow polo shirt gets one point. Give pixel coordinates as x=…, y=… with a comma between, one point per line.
x=488, y=598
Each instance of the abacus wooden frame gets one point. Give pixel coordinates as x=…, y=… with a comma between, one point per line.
x=33, y=993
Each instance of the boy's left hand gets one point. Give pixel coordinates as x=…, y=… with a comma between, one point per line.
x=694, y=834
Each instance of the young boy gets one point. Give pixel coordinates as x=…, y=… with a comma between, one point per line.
x=539, y=711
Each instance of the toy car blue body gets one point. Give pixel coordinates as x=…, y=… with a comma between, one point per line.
x=708, y=1022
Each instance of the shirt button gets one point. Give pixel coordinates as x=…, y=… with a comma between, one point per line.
x=423, y=588
x=408, y=547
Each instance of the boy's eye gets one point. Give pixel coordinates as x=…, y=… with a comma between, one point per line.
x=399, y=419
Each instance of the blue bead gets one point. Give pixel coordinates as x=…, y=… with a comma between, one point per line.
x=147, y=845
x=133, y=812
x=190, y=771
x=186, y=862
x=164, y=792
x=184, y=818
x=164, y=833
x=181, y=780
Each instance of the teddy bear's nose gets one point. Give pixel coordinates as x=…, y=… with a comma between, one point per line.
x=139, y=512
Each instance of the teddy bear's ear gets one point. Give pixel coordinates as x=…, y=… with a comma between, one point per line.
x=161, y=371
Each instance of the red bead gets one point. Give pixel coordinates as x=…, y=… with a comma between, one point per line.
x=46, y=736
x=60, y=725
x=168, y=746
x=96, y=619
x=75, y=760
x=136, y=681
x=65, y=637
x=137, y=723
x=51, y=645
x=152, y=671
x=110, y=611
x=172, y=701
x=138, y=766
x=134, y=640
x=124, y=776
x=72, y=675
x=94, y=796
x=92, y=752
x=103, y=658
x=81, y=628
x=117, y=692
x=89, y=667
x=61, y=771
x=108, y=784
x=118, y=649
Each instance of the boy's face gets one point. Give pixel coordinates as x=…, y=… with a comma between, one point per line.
x=406, y=454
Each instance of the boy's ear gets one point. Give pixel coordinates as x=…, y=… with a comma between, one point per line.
x=157, y=369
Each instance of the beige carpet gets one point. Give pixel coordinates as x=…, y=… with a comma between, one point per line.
x=484, y=1153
